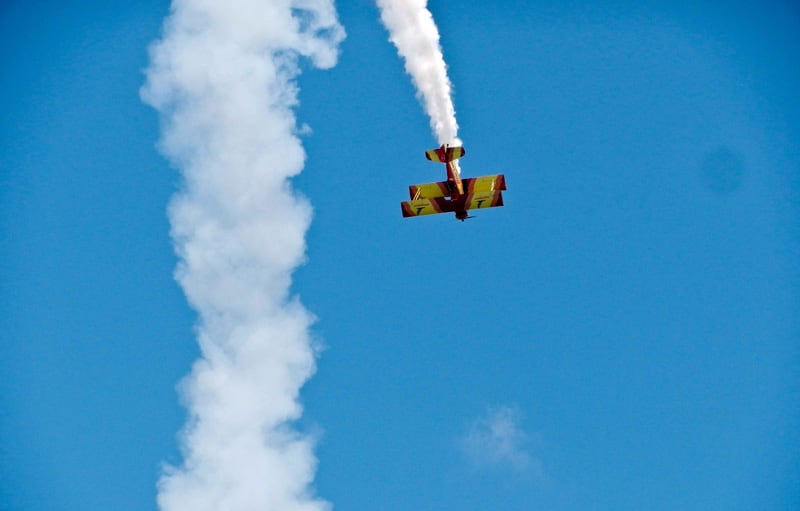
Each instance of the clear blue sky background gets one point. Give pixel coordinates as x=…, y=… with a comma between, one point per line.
x=635, y=304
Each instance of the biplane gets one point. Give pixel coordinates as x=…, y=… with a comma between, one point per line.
x=455, y=195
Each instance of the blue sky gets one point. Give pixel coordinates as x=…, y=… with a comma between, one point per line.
x=622, y=335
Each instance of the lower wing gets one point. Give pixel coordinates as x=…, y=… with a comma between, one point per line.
x=436, y=205
x=482, y=200
x=430, y=206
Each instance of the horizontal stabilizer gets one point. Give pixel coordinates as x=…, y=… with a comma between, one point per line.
x=442, y=156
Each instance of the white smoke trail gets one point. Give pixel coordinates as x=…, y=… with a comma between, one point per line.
x=414, y=33
x=222, y=78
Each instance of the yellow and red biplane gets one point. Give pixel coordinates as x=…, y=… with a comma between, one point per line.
x=454, y=195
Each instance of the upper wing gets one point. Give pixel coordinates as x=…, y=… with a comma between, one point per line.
x=471, y=185
x=428, y=190
x=484, y=184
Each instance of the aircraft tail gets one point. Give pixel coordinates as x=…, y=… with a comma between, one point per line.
x=443, y=155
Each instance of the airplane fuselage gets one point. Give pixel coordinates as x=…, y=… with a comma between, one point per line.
x=455, y=187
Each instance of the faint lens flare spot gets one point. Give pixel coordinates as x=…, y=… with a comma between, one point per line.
x=722, y=171
x=496, y=439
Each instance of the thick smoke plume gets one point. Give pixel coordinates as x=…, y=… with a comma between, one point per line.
x=414, y=33
x=223, y=78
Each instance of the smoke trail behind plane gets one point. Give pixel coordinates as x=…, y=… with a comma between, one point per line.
x=414, y=33
x=223, y=79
